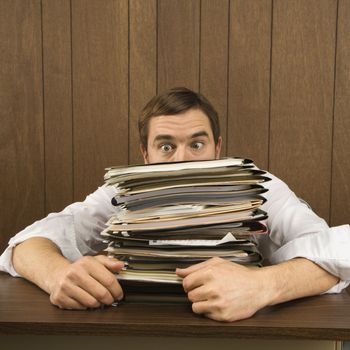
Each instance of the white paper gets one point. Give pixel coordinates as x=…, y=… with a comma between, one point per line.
x=194, y=242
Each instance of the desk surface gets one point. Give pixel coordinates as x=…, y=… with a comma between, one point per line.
x=25, y=309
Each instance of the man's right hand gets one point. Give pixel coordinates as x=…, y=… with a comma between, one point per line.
x=87, y=283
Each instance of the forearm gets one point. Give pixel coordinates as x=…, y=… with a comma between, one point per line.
x=36, y=259
x=295, y=279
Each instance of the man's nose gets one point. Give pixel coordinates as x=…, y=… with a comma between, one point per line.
x=181, y=155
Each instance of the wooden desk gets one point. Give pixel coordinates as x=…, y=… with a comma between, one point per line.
x=26, y=310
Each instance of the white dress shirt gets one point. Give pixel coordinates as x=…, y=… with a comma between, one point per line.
x=294, y=231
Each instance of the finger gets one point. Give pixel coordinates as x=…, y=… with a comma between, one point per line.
x=102, y=284
x=198, y=294
x=112, y=264
x=110, y=282
x=74, y=298
x=185, y=272
x=196, y=279
x=70, y=304
x=201, y=307
x=97, y=291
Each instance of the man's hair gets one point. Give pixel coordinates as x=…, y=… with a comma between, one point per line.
x=175, y=101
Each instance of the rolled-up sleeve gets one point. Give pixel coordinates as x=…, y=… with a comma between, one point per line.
x=75, y=230
x=296, y=231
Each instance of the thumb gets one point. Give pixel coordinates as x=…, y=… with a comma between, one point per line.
x=112, y=264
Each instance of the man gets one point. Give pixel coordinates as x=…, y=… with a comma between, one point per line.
x=181, y=125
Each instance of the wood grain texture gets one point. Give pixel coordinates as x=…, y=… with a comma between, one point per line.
x=340, y=205
x=56, y=32
x=22, y=197
x=178, y=44
x=90, y=123
x=143, y=66
x=322, y=317
x=249, y=80
x=73, y=342
x=213, y=58
x=100, y=90
x=303, y=53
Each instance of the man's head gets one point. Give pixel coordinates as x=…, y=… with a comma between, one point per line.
x=179, y=125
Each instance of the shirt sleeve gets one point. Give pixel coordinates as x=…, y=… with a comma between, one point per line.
x=75, y=230
x=296, y=231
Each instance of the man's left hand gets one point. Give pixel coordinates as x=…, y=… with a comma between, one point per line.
x=224, y=291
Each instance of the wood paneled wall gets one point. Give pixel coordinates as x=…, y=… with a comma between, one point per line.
x=75, y=73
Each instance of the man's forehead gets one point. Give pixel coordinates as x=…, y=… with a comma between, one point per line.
x=189, y=124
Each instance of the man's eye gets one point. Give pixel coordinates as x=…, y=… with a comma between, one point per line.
x=197, y=145
x=166, y=148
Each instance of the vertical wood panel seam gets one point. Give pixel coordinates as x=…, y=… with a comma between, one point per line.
x=43, y=105
x=228, y=72
x=157, y=49
x=270, y=90
x=129, y=84
x=333, y=116
x=199, y=45
x=72, y=98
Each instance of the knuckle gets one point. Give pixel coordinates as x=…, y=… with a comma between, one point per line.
x=219, y=261
x=56, y=300
x=103, y=295
x=100, y=258
x=119, y=296
x=195, y=308
x=71, y=274
x=185, y=284
x=110, y=281
x=210, y=273
x=215, y=293
x=225, y=313
x=109, y=300
x=61, y=286
x=53, y=299
x=191, y=296
x=222, y=308
x=85, y=261
x=92, y=304
x=216, y=306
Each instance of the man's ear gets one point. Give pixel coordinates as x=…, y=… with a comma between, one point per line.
x=218, y=148
x=144, y=153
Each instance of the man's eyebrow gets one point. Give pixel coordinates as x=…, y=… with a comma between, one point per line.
x=163, y=137
x=166, y=137
x=200, y=133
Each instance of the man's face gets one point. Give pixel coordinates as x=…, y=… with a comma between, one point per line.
x=182, y=137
